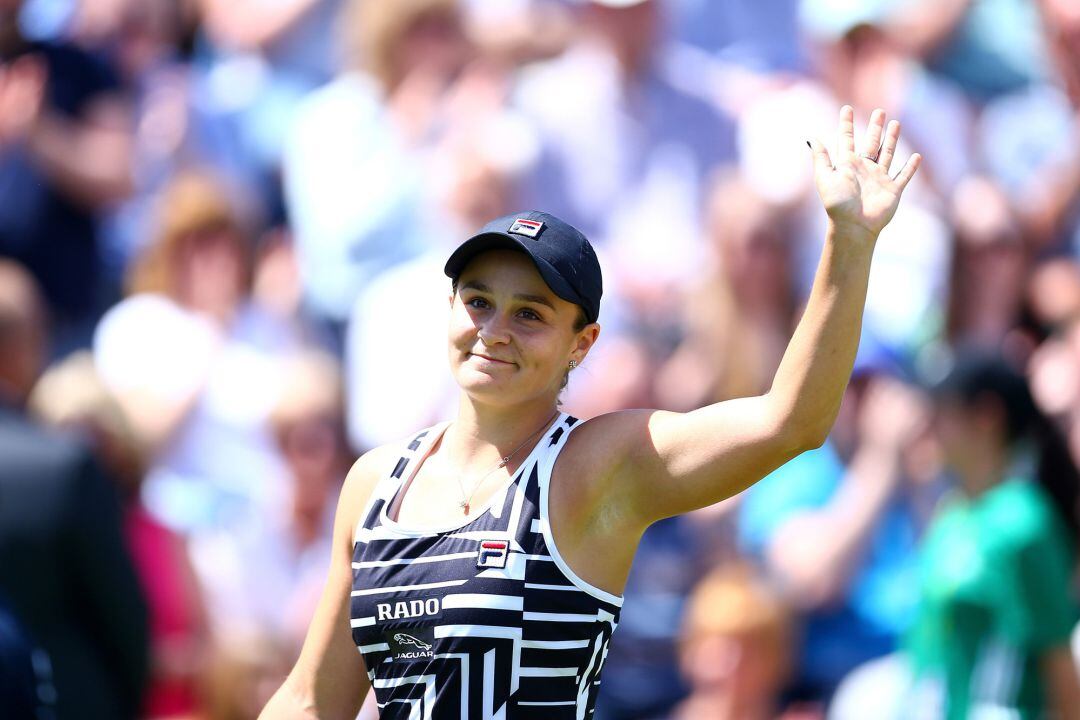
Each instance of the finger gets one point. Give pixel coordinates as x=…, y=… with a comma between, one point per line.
x=845, y=145
x=888, y=149
x=822, y=162
x=908, y=171
x=872, y=140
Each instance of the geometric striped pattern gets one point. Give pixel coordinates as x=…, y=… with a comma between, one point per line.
x=446, y=639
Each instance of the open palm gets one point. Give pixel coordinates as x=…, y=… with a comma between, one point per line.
x=856, y=188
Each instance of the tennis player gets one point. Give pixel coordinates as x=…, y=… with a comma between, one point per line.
x=477, y=567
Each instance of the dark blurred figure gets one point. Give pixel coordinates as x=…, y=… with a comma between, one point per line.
x=71, y=397
x=65, y=145
x=26, y=691
x=62, y=558
x=998, y=560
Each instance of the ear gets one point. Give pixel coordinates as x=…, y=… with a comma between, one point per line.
x=584, y=341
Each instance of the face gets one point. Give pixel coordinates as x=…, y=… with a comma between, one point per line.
x=511, y=338
x=965, y=431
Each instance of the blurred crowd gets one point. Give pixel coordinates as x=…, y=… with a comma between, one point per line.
x=222, y=230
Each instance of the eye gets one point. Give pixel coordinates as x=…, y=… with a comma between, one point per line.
x=529, y=314
x=477, y=302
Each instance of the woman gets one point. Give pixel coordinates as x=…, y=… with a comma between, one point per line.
x=189, y=355
x=998, y=561
x=736, y=648
x=479, y=576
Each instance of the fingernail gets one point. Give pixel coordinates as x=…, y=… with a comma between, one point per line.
x=809, y=145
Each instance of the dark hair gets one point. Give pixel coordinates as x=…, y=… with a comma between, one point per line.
x=975, y=376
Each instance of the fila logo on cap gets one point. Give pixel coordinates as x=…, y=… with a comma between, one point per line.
x=493, y=553
x=529, y=228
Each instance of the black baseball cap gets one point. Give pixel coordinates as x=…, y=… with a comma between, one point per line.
x=561, y=253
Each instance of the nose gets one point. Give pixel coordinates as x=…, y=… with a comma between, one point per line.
x=493, y=330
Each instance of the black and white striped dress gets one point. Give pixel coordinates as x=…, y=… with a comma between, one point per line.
x=484, y=619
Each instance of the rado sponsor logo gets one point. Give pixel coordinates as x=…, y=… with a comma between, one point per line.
x=408, y=609
x=415, y=643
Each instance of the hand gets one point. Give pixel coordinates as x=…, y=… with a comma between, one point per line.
x=22, y=93
x=856, y=189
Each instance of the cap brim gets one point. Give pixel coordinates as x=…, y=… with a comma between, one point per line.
x=504, y=241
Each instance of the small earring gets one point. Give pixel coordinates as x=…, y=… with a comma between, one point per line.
x=573, y=364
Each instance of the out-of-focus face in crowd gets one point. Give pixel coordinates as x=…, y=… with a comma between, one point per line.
x=200, y=257
x=735, y=647
x=751, y=243
x=407, y=39
x=631, y=29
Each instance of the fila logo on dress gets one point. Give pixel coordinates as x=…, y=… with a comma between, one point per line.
x=493, y=553
x=529, y=228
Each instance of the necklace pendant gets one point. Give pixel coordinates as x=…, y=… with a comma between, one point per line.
x=465, y=506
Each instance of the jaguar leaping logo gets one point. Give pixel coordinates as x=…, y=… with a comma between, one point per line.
x=410, y=640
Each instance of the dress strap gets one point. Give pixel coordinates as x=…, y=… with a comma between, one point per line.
x=417, y=446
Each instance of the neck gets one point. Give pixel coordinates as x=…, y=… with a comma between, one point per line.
x=983, y=471
x=482, y=434
x=722, y=704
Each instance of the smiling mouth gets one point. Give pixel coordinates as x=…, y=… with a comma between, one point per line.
x=491, y=359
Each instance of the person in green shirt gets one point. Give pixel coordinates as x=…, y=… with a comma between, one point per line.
x=998, y=562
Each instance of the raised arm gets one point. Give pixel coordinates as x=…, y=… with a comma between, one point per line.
x=329, y=681
x=660, y=464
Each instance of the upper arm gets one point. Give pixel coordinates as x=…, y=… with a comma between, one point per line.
x=329, y=679
x=658, y=464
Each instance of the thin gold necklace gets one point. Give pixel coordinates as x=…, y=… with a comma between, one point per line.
x=466, y=502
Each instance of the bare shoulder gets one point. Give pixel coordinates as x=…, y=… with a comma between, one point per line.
x=597, y=450
x=610, y=438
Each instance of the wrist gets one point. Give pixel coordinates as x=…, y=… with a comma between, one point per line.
x=851, y=233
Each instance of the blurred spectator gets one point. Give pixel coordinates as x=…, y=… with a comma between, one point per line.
x=641, y=676
x=735, y=648
x=740, y=316
x=865, y=66
x=354, y=163
x=986, y=287
x=193, y=362
x=63, y=564
x=65, y=155
x=1027, y=140
x=987, y=47
x=475, y=174
x=263, y=576
x=840, y=538
x=629, y=139
x=71, y=397
x=26, y=689
x=254, y=60
x=762, y=37
x=997, y=611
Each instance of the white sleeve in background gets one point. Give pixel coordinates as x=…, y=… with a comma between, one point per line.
x=147, y=343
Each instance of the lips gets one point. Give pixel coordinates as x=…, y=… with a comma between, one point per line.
x=491, y=359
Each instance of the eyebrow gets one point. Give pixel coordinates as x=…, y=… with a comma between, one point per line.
x=481, y=287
